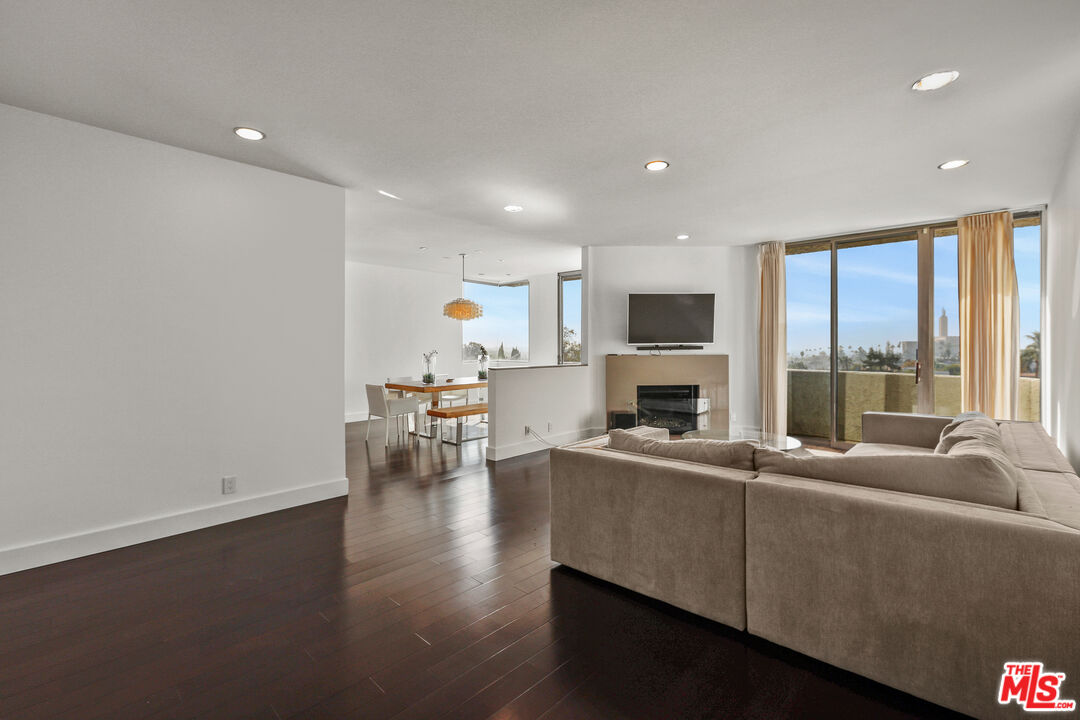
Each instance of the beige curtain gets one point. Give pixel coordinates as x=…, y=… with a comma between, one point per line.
x=772, y=338
x=989, y=316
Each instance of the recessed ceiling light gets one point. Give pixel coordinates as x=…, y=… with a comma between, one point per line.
x=513, y=208
x=423, y=247
x=935, y=81
x=682, y=237
x=657, y=165
x=480, y=273
x=249, y=133
x=507, y=274
x=952, y=164
x=389, y=195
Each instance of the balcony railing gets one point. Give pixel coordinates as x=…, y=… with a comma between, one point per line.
x=859, y=392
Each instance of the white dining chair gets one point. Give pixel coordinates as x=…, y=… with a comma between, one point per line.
x=425, y=399
x=380, y=404
x=447, y=399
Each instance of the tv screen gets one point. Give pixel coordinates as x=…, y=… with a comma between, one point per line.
x=670, y=318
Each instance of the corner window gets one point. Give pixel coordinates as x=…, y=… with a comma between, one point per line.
x=503, y=329
x=570, y=317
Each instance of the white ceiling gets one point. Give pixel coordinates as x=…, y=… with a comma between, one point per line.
x=781, y=120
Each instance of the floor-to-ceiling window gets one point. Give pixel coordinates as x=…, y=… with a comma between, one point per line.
x=877, y=327
x=808, y=269
x=855, y=340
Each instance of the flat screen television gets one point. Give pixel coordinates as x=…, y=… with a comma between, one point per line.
x=670, y=318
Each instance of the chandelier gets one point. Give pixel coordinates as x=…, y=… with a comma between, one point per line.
x=462, y=308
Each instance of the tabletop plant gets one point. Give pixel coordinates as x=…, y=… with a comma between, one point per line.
x=429, y=367
x=482, y=363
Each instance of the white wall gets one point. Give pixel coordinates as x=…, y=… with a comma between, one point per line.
x=544, y=319
x=554, y=401
x=392, y=317
x=166, y=318
x=730, y=272
x=1061, y=350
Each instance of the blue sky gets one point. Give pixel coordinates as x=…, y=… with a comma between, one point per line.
x=877, y=293
x=572, y=306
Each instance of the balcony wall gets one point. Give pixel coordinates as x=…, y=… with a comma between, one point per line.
x=859, y=392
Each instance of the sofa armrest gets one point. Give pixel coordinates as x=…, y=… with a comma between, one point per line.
x=903, y=428
x=928, y=596
x=668, y=529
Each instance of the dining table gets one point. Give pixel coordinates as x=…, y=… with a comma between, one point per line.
x=434, y=389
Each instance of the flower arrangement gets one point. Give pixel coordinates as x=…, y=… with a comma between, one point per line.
x=481, y=363
x=429, y=367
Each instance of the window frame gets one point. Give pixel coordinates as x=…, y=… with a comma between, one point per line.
x=562, y=278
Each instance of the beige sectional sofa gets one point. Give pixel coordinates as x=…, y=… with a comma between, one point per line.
x=930, y=595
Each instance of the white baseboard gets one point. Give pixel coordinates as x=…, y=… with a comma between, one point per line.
x=46, y=552
x=531, y=444
x=356, y=417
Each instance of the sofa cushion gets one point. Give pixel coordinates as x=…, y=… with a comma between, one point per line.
x=887, y=449
x=980, y=429
x=732, y=454
x=1059, y=495
x=631, y=439
x=969, y=478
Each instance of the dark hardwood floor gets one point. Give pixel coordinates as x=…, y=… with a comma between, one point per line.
x=427, y=593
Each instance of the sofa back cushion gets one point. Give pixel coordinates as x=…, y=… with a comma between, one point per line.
x=979, y=430
x=616, y=438
x=732, y=454
x=976, y=478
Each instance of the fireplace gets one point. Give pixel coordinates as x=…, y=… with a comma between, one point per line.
x=675, y=408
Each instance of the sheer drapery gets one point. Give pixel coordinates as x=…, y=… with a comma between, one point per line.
x=989, y=316
x=772, y=338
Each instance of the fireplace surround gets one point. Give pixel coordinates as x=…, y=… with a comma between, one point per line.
x=626, y=373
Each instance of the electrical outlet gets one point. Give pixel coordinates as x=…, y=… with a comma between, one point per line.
x=528, y=429
x=549, y=427
x=228, y=485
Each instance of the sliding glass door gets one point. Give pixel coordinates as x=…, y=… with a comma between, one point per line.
x=873, y=325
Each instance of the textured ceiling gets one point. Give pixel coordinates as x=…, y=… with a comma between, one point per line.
x=781, y=120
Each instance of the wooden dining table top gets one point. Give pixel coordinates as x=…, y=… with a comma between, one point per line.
x=442, y=385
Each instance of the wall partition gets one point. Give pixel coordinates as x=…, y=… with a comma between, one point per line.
x=873, y=325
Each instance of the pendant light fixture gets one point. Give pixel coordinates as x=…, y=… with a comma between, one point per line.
x=462, y=308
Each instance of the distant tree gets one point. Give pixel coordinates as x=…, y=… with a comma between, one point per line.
x=887, y=361
x=843, y=360
x=501, y=355
x=515, y=354
x=472, y=350
x=571, y=347
x=1029, y=356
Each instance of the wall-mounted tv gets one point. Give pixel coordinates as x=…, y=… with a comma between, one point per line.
x=670, y=318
